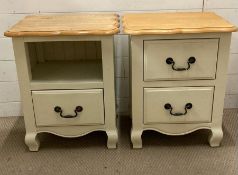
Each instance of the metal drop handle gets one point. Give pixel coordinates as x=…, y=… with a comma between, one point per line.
x=170, y=61
x=169, y=107
x=59, y=110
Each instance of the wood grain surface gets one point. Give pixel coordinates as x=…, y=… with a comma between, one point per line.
x=66, y=24
x=173, y=23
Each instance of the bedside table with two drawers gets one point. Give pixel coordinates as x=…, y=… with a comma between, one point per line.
x=178, y=72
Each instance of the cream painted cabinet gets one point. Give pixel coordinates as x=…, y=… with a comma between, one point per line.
x=65, y=67
x=178, y=72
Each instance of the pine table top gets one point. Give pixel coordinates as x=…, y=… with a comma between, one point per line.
x=173, y=23
x=66, y=25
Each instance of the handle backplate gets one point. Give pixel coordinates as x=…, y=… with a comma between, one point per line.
x=169, y=107
x=59, y=110
x=170, y=61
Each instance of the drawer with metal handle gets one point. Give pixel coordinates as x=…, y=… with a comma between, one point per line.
x=68, y=107
x=180, y=59
x=178, y=105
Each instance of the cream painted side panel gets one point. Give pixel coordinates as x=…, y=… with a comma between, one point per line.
x=109, y=91
x=90, y=100
x=156, y=52
x=201, y=99
x=24, y=77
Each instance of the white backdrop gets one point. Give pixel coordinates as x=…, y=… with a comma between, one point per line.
x=13, y=10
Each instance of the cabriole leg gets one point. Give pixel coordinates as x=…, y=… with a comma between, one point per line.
x=136, y=138
x=215, y=137
x=112, y=139
x=32, y=141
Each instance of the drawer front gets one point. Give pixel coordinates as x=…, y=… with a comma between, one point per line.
x=168, y=59
x=169, y=105
x=89, y=112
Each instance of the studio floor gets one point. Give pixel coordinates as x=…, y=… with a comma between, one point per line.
x=161, y=154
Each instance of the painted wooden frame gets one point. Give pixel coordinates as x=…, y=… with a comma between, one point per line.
x=24, y=76
x=138, y=85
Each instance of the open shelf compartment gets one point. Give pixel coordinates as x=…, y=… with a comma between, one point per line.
x=62, y=63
